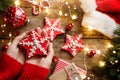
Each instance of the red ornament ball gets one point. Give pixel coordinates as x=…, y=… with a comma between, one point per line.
x=92, y=53
x=4, y=48
x=17, y=33
x=55, y=59
x=69, y=26
x=15, y=16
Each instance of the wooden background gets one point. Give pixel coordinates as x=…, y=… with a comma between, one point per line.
x=92, y=39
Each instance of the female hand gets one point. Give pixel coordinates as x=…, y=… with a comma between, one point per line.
x=13, y=50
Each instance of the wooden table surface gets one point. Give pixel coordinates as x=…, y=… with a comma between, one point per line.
x=92, y=39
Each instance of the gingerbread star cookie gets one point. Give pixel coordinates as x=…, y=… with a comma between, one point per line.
x=34, y=44
x=52, y=27
x=73, y=44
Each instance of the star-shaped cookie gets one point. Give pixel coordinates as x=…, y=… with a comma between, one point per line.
x=73, y=44
x=34, y=44
x=52, y=27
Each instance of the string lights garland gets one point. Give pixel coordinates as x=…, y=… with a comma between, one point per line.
x=72, y=11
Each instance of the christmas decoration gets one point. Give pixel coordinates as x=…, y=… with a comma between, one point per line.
x=15, y=16
x=16, y=33
x=55, y=59
x=36, y=9
x=4, y=4
x=70, y=72
x=4, y=48
x=68, y=10
x=52, y=27
x=109, y=69
x=69, y=26
x=91, y=53
x=60, y=71
x=73, y=44
x=35, y=44
x=100, y=17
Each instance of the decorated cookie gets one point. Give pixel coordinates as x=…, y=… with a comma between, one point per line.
x=35, y=44
x=73, y=44
x=52, y=27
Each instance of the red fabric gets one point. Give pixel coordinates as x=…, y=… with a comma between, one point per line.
x=9, y=67
x=110, y=7
x=33, y=72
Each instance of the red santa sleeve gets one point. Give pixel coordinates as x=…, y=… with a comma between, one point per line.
x=108, y=5
x=33, y=72
x=9, y=67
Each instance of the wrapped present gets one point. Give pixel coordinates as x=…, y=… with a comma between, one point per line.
x=34, y=44
x=67, y=71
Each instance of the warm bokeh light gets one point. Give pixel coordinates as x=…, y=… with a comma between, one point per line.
x=74, y=17
x=114, y=52
x=98, y=51
x=66, y=14
x=109, y=45
x=35, y=2
x=3, y=31
x=101, y=63
x=60, y=13
x=47, y=10
x=90, y=28
x=10, y=34
x=17, y=3
x=86, y=49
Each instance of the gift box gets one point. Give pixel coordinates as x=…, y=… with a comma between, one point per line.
x=34, y=44
x=67, y=71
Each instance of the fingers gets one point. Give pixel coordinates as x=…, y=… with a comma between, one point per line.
x=44, y=33
x=50, y=52
x=38, y=30
x=18, y=38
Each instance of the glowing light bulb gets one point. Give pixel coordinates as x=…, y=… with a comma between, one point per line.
x=9, y=43
x=109, y=45
x=101, y=63
x=4, y=25
x=10, y=34
x=66, y=14
x=90, y=28
x=114, y=52
x=3, y=31
x=75, y=7
x=47, y=10
x=60, y=13
x=116, y=61
x=98, y=51
x=86, y=49
x=17, y=2
x=74, y=17
x=66, y=2
x=35, y=2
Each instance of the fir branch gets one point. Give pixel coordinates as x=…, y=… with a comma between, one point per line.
x=117, y=32
x=5, y=4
